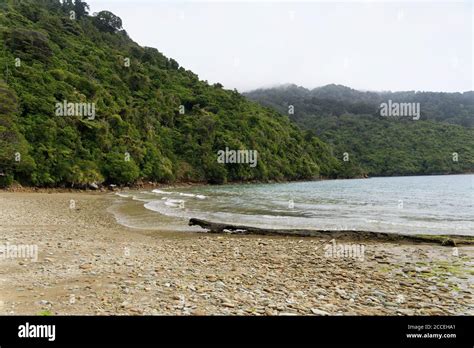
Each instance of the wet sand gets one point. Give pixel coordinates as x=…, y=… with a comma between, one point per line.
x=88, y=264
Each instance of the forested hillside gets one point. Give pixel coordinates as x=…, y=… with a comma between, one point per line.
x=441, y=141
x=336, y=100
x=152, y=119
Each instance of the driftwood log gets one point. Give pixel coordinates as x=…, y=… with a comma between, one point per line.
x=446, y=240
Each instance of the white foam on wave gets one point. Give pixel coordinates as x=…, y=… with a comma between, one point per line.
x=192, y=195
x=161, y=192
x=135, y=198
x=272, y=216
x=174, y=203
x=167, y=208
x=183, y=194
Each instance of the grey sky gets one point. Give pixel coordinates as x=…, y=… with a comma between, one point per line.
x=365, y=45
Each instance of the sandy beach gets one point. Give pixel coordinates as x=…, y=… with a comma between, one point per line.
x=88, y=264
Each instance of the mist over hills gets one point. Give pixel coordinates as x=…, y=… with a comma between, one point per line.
x=453, y=108
x=440, y=142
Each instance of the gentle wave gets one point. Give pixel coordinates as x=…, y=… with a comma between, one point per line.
x=161, y=192
x=193, y=195
x=122, y=195
x=432, y=205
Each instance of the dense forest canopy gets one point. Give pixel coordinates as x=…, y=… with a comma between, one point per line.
x=153, y=119
x=441, y=141
x=82, y=103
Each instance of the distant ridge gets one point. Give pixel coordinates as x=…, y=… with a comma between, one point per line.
x=440, y=142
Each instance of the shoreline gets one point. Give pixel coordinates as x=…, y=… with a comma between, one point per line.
x=442, y=239
x=149, y=185
x=90, y=265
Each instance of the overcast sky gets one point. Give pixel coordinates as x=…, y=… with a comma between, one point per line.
x=369, y=45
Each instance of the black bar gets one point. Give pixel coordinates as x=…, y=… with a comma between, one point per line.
x=341, y=330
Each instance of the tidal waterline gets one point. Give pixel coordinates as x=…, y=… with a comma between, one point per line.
x=413, y=204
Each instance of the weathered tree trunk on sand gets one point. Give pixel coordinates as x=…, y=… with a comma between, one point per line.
x=446, y=240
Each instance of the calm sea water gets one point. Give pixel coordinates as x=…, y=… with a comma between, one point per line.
x=417, y=204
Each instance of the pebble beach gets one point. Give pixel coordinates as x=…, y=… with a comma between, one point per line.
x=88, y=264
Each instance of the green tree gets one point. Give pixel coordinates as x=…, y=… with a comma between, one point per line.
x=108, y=22
x=119, y=169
